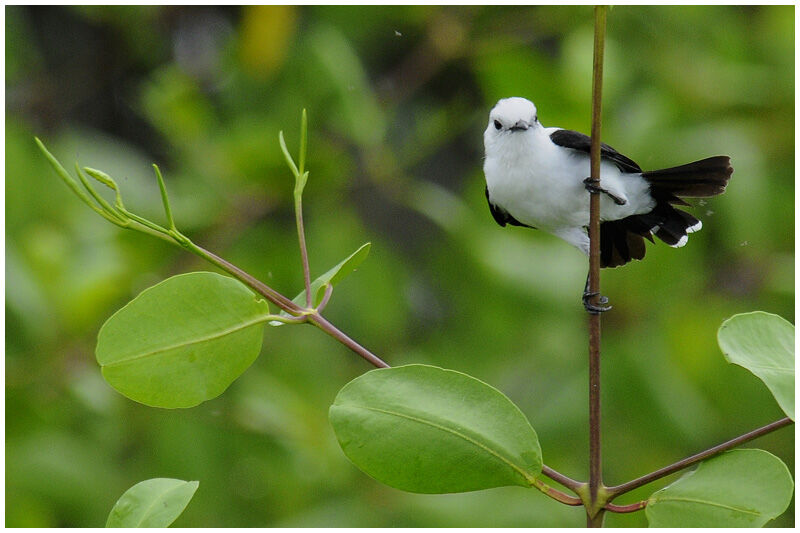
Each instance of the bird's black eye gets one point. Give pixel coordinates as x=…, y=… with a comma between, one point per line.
x=497, y=124
x=536, y=118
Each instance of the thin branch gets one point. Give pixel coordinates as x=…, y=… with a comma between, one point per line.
x=319, y=321
x=632, y=508
x=300, y=184
x=288, y=305
x=595, y=457
x=689, y=461
x=301, y=237
x=556, y=494
x=561, y=478
x=264, y=290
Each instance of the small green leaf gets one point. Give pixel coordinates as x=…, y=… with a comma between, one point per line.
x=763, y=343
x=288, y=156
x=99, y=199
x=425, y=429
x=183, y=341
x=164, y=198
x=334, y=275
x=303, y=144
x=739, y=488
x=331, y=277
x=152, y=503
x=73, y=185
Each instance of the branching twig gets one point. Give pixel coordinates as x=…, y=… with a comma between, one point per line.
x=120, y=216
x=300, y=178
x=561, y=478
x=556, y=494
x=689, y=461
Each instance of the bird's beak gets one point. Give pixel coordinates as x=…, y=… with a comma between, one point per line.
x=521, y=125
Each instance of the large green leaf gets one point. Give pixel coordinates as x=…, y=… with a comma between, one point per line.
x=425, y=429
x=739, y=488
x=152, y=503
x=763, y=343
x=183, y=341
x=331, y=277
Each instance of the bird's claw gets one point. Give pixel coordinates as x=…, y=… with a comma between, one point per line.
x=592, y=308
x=592, y=186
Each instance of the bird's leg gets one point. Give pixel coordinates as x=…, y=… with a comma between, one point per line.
x=587, y=297
x=593, y=187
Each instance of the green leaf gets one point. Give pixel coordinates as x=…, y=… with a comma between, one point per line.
x=763, y=343
x=331, y=277
x=183, y=341
x=424, y=429
x=288, y=156
x=152, y=503
x=739, y=488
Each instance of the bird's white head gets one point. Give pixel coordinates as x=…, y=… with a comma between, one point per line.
x=511, y=115
x=512, y=121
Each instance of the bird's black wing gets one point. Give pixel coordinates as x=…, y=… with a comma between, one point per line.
x=502, y=216
x=579, y=141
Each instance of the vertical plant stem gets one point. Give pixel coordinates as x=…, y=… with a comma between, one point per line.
x=595, y=514
x=301, y=235
x=300, y=184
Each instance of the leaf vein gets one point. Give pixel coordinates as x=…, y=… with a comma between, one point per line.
x=785, y=369
x=713, y=504
x=153, y=503
x=467, y=438
x=210, y=337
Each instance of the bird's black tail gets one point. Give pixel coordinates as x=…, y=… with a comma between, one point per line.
x=623, y=240
x=701, y=179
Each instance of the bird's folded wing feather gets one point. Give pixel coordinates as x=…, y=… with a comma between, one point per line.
x=582, y=143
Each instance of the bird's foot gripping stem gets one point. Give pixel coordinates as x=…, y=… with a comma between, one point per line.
x=592, y=308
x=593, y=187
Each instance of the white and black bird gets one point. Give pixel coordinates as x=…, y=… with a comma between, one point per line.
x=535, y=177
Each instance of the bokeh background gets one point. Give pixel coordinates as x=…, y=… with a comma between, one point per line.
x=397, y=99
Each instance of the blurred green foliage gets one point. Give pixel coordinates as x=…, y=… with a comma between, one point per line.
x=397, y=100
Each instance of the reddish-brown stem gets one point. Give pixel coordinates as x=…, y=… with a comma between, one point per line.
x=556, y=494
x=264, y=290
x=632, y=508
x=287, y=305
x=561, y=478
x=689, y=461
x=594, y=515
x=320, y=321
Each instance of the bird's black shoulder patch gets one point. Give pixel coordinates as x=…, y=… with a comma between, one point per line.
x=582, y=143
x=501, y=216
